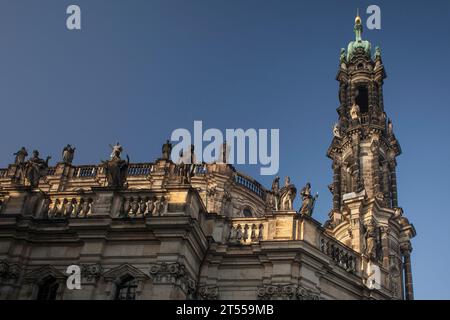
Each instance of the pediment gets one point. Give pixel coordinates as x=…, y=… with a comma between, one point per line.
x=44, y=272
x=124, y=270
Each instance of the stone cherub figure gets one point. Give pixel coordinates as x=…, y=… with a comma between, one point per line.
x=308, y=200
x=67, y=154
x=34, y=168
x=116, y=169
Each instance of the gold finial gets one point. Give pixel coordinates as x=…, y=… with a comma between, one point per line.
x=358, y=18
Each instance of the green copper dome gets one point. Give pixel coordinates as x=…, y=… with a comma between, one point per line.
x=353, y=46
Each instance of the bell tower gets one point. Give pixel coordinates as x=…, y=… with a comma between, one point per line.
x=365, y=214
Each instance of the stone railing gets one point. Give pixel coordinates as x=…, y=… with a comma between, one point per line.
x=344, y=257
x=140, y=169
x=86, y=171
x=134, y=206
x=247, y=232
x=201, y=169
x=51, y=171
x=250, y=184
x=76, y=207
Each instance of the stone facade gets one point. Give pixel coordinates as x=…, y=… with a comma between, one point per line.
x=162, y=230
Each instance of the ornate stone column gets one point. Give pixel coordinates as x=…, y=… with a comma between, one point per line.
x=336, y=185
x=374, y=148
x=393, y=180
x=406, y=253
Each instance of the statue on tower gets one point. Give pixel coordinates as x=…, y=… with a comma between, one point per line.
x=166, y=150
x=116, y=169
x=287, y=195
x=35, y=168
x=67, y=154
x=370, y=236
x=20, y=156
x=276, y=192
x=308, y=201
x=116, y=151
x=354, y=112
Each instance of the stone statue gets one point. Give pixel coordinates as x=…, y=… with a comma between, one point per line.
x=116, y=169
x=20, y=156
x=276, y=192
x=337, y=130
x=166, y=150
x=116, y=151
x=308, y=200
x=390, y=127
x=377, y=53
x=67, y=154
x=354, y=112
x=287, y=181
x=287, y=195
x=371, y=240
x=342, y=58
x=35, y=168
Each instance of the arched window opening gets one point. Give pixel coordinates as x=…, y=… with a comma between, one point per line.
x=48, y=289
x=362, y=99
x=247, y=212
x=126, y=289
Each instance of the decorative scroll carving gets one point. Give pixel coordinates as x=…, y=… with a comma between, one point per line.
x=174, y=273
x=91, y=272
x=208, y=292
x=286, y=292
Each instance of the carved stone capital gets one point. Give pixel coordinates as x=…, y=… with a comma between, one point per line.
x=405, y=248
x=173, y=273
x=91, y=272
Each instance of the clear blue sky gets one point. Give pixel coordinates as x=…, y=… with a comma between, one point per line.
x=140, y=69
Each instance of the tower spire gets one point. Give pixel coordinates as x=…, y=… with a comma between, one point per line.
x=358, y=26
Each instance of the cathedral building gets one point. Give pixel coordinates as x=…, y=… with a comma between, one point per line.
x=165, y=230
